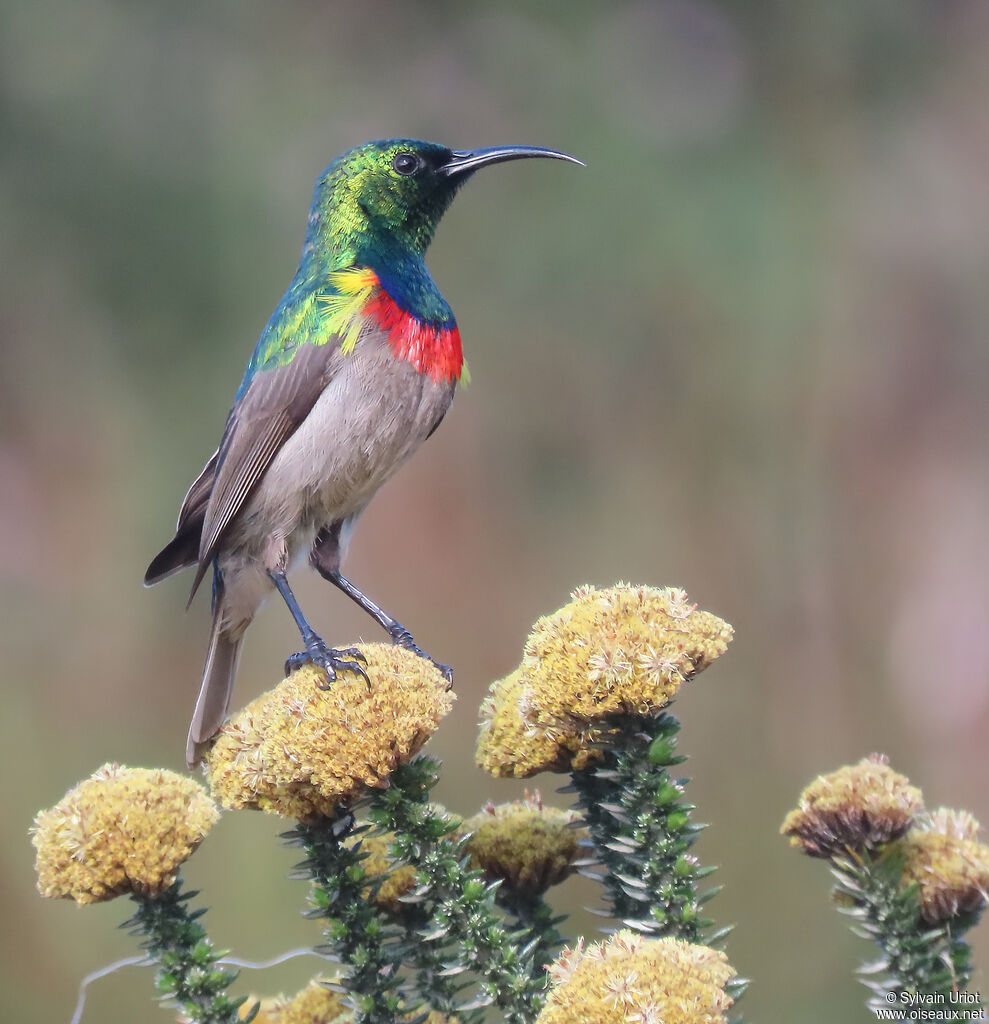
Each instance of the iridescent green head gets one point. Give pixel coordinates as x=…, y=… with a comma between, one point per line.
x=393, y=192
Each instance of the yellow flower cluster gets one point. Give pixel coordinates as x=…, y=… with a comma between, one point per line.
x=524, y=844
x=622, y=650
x=315, y=1004
x=947, y=864
x=857, y=807
x=510, y=745
x=122, y=830
x=301, y=751
x=629, y=979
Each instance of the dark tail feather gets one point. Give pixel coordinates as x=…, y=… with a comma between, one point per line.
x=181, y=552
x=214, y=693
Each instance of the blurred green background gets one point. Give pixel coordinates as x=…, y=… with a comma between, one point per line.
x=743, y=352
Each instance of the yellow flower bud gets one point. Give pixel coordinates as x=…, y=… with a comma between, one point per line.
x=398, y=879
x=524, y=844
x=315, y=1004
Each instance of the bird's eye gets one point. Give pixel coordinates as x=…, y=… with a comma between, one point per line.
x=406, y=163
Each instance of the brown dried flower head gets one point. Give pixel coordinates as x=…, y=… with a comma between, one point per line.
x=122, y=830
x=857, y=807
x=629, y=979
x=301, y=751
x=524, y=844
x=947, y=864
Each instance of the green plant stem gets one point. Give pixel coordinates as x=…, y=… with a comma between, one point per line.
x=535, y=924
x=464, y=917
x=917, y=959
x=432, y=981
x=186, y=959
x=357, y=933
x=642, y=830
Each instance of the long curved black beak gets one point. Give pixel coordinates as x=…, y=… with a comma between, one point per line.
x=464, y=161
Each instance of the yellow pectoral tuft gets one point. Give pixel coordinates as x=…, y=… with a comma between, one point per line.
x=343, y=310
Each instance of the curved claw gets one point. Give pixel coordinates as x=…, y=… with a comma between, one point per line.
x=295, y=661
x=330, y=659
x=403, y=638
x=352, y=652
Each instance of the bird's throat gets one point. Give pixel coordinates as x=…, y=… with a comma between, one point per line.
x=433, y=349
x=359, y=298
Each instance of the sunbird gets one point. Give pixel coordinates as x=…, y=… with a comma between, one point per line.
x=356, y=367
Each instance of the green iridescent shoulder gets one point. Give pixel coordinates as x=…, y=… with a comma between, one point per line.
x=298, y=320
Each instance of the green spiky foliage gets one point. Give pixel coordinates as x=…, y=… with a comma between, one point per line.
x=533, y=919
x=357, y=936
x=464, y=923
x=436, y=981
x=917, y=959
x=188, y=972
x=642, y=833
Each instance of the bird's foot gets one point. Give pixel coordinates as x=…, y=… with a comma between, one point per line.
x=401, y=636
x=330, y=659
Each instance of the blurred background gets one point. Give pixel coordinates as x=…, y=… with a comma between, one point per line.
x=743, y=352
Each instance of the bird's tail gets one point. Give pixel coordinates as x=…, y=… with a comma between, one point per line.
x=222, y=659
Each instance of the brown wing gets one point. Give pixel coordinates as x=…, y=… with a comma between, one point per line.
x=183, y=549
x=269, y=411
x=197, y=497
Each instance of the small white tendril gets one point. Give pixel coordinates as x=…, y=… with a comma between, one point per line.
x=143, y=961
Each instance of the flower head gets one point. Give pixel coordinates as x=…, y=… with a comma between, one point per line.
x=510, y=745
x=858, y=806
x=629, y=978
x=301, y=751
x=947, y=864
x=315, y=1004
x=623, y=650
x=122, y=830
x=957, y=824
x=524, y=844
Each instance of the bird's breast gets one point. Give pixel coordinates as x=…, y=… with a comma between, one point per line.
x=369, y=419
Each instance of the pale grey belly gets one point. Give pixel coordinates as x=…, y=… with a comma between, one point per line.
x=364, y=426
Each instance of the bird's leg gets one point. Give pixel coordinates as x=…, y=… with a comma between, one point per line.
x=330, y=659
x=325, y=559
x=398, y=633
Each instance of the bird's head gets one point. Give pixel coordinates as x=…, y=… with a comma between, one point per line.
x=393, y=192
